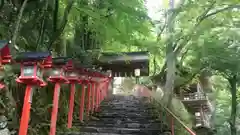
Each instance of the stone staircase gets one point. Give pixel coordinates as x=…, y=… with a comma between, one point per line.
x=123, y=115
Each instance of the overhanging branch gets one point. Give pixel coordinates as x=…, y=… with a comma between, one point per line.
x=184, y=39
x=62, y=25
x=219, y=11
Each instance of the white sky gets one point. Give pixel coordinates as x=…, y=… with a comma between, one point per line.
x=154, y=6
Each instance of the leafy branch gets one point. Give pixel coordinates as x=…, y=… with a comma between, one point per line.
x=62, y=25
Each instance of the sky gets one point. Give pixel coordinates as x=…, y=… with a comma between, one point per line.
x=153, y=6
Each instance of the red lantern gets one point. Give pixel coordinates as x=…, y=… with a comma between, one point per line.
x=71, y=73
x=57, y=76
x=73, y=78
x=5, y=57
x=31, y=74
x=31, y=70
x=5, y=52
x=47, y=63
x=58, y=70
x=83, y=80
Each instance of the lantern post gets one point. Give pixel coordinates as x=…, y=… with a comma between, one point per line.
x=73, y=78
x=92, y=82
x=89, y=93
x=99, y=79
x=97, y=96
x=57, y=76
x=95, y=82
x=106, y=82
x=5, y=58
x=31, y=75
x=83, y=80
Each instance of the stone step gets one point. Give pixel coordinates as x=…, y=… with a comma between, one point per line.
x=120, y=130
x=122, y=114
x=123, y=125
x=87, y=133
x=114, y=121
x=138, y=119
x=127, y=105
x=125, y=109
x=131, y=116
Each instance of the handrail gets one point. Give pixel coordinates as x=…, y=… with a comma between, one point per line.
x=178, y=120
x=171, y=113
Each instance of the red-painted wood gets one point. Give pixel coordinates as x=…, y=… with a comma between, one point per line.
x=71, y=105
x=93, y=97
x=26, y=111
x=96, y=95
x=54, y=109
x=89, y=99
x=82, y=99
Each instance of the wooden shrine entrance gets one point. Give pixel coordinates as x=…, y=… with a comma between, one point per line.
x=124, y=64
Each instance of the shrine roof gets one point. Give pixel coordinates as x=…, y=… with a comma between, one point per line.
x=124, y=63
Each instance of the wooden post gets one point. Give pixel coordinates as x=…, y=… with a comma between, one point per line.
x=82, y=99
x=54, y=109
x=71, y=105
x=26, y=111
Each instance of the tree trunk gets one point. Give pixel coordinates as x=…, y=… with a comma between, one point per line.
x=205, y=81
x=170, y=60
x=232, y=121
x=170, y=79
x=62, y=25
x=17, y=27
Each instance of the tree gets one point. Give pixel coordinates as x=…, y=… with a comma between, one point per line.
x=75, y=28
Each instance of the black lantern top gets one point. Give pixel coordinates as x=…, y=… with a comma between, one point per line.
x=60, y=61
x=31, y=56
x=58, y=70
x=31, y=70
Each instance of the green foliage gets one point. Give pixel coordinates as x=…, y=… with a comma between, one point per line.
x=74, y=28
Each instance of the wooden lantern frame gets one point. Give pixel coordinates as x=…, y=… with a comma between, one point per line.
x=35, y=78
x=83, y=75
x=70, y=69
x=61, y=66
x=33, y=60
x=5, y=57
